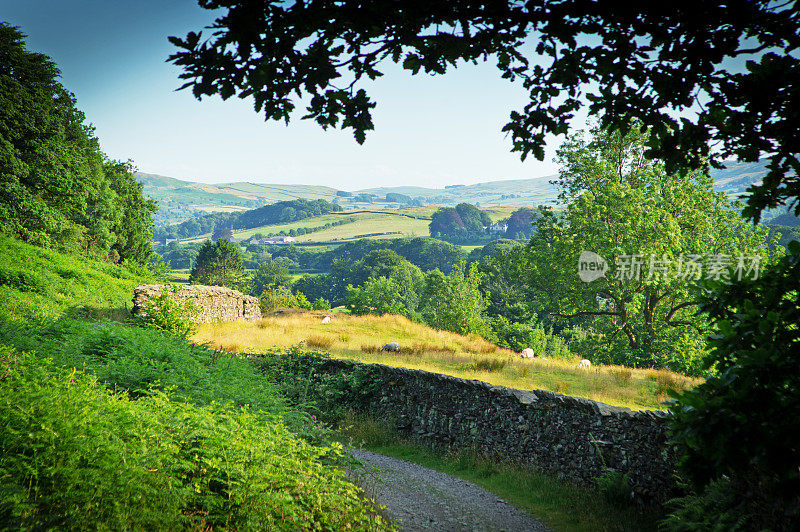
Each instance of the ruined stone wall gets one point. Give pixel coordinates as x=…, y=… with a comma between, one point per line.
x=215, y=303
x=569, y=437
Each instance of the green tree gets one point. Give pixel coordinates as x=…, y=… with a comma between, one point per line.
x=270, y=272
x=378, y=295
x=58, y=188
x=454, y=302
x=218, y=263
x=520, y=223
x=624, y=207
x=133, y=226
x=463, y=223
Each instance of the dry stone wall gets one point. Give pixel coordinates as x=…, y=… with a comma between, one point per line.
x=570, y=437
x=214, y=303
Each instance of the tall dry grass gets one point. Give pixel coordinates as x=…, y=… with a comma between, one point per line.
x=469, y=357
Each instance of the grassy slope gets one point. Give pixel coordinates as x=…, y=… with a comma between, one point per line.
x=360, y=338
x=170, y=456
x=41, y=283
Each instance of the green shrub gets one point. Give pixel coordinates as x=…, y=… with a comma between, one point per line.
x=615, y=488
x=278, y=296
x=135, y=359
x=164, y=313
x=76, y=456
x=330, y=395
x=518, y=336
x=319, y=303
x=728, y=505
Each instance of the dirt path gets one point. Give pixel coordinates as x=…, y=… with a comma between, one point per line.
x=424, y=499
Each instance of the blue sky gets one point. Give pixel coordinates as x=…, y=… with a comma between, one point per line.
x=429, y=131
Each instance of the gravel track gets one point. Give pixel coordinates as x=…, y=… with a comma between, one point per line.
x=424, y=499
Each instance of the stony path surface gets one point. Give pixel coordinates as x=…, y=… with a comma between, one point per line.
x=424, y=499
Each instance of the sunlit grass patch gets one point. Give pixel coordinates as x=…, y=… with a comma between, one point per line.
x=318, y=341
x=470, y=357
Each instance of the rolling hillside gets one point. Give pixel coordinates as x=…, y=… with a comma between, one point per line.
x=181, y=200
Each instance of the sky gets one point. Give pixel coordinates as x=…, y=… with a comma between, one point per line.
x=429, y=131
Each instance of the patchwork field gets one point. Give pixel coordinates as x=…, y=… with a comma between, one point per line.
x=470, y=357
x=387, y=224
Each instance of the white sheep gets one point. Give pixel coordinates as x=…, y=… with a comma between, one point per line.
x=326, y=319
x=527, y=353
x=584, y=364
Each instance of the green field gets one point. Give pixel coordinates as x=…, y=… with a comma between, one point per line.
x=392, y=224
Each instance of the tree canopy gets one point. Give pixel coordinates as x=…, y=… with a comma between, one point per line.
x=58, y=188
x=659, y=234
x=671, y=65
x=218, y=263
x=463, y=223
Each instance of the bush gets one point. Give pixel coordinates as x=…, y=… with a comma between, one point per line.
x=164, y=313
x=722, y=506
x=278, y=296
x=333, y=392
x=79, y=457
x=319, y=304
x=518, y=336
x=743, y=422
x=135, y=360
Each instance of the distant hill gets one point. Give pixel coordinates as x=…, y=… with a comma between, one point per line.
x=181, y=200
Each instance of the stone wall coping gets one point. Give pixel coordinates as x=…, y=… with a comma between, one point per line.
x=208, y=289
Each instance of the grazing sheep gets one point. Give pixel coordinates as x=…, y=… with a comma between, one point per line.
x=391, y=346
x=584, y=364
x=326, y=319
x=527, y=353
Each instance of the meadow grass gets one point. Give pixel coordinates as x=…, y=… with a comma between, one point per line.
x=470, y=357
x=559, y=504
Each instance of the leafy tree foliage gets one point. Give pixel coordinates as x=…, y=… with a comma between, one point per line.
x=520, y=223
x=622, y=204
x=743, y=422
x=221, y=232
x=427, y=253
x=635, y=61
x=454, y=302
x=218, y=263
x=504, y=284
x=463, y=223
x=279, y=296
x=494, y=247
x=398, y=198
x=58, y=188
x=378, y=295
x=270, y=272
